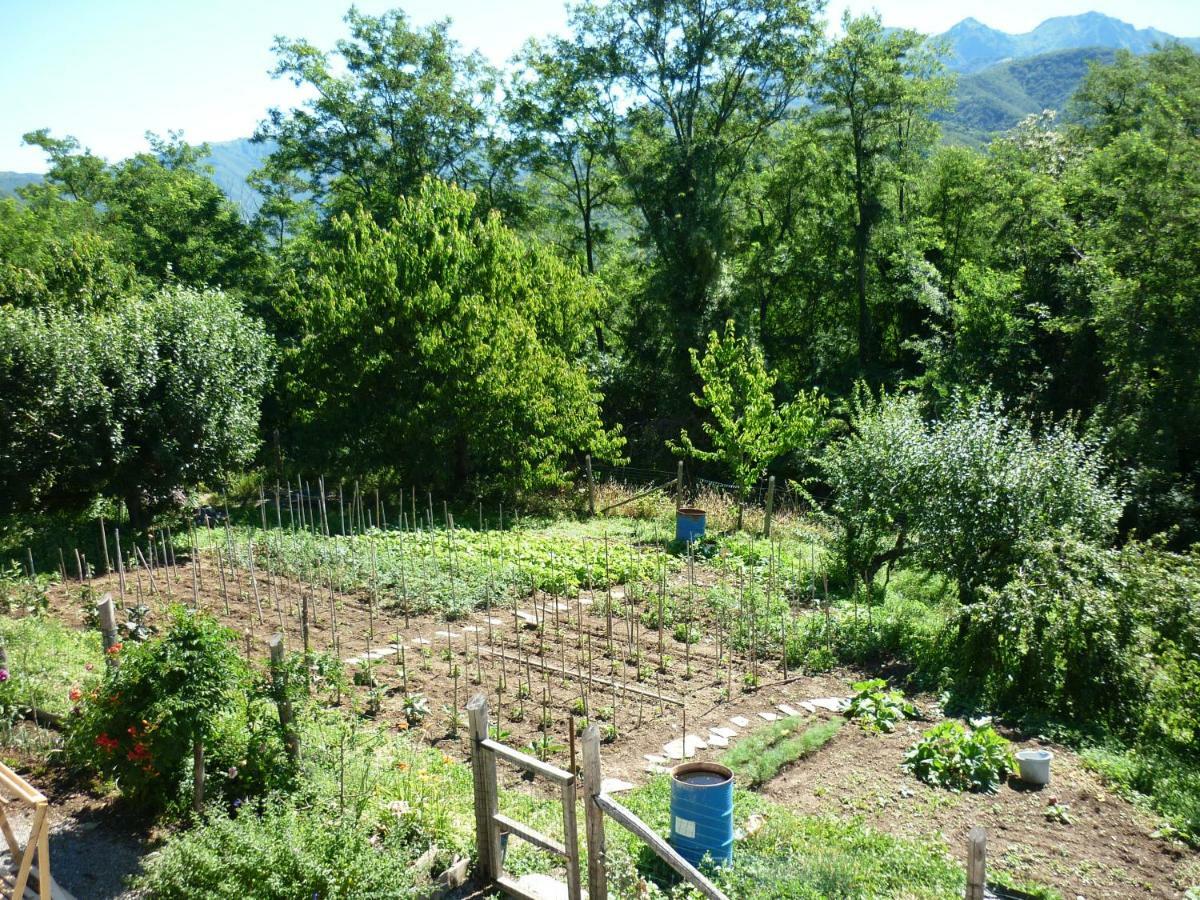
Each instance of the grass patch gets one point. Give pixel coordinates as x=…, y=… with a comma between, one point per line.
x=1162, y=782
x=46, y=659
x=792, y=857
x=758, y=757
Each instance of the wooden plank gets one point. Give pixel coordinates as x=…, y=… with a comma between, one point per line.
x=530, y=763
x=483, y=770
x=19, y=786
x=571, y=831
x=39, y=821
x=509, y=886
x=530, y=835
x=594, y=815
x=665, y=851
x=976, y=863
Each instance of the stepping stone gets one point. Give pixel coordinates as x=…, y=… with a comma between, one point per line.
x=420, y=641
x=446, y=634
x=470, y=628
x=542, y=887
x=787, y=710
x=769, y=716
x=739, y=721
x=654, y=758
x=807, y=707
x=583, y=602
x=656, y=769
x=833, y=704
x=492, y=620
x=614, y=786
x=354, y=661
x=530, y=620
x=725, y=732
x=684, y=747
x=716, y=740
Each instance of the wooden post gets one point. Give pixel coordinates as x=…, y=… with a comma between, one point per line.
x=976, y=862
x=107, y=614
x=679, y=485
x=198, y=775
x=483, y=770
x=591, y=486
x=770, y=506
x=594, y=815
x=104, y=543
x=279, y=681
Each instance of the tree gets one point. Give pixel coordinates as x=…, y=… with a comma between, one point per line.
x=160, y=212
x=969, y=495
x=747, y=430
x=692, y=87
x=468, y=347
x=135, y=402
x=392, y=105
x=876, y=89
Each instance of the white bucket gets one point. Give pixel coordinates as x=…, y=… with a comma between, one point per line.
x=1035, y=766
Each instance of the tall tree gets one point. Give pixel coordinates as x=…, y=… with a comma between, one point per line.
x=876, y=88
x=391, y=105
x=693, y=87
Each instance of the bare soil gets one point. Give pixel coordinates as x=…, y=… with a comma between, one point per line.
x=572, y=648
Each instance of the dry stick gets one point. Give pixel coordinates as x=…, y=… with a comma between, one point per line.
x=149, y=570
x=62, y=562
x=78, y=565
x=324, y=512
x=224, y=585
x=120, y=564
x=104, y=543
x=254, y=579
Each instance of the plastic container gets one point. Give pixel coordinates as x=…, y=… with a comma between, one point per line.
x=702, y=812
x=689, y=524
x=1035, y=766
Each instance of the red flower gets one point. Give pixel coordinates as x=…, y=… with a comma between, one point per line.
x=75, y=694
x=114, y=649
x=107, y=744
x=139, y=754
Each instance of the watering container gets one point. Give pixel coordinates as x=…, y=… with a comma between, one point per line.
x=689, y=524
x=702, y=812
x=1035, y=766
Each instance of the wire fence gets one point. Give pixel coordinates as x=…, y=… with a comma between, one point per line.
x=788, y=495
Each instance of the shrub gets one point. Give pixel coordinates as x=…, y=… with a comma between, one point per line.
x=876, y=708
x=141, y=724
x=950, y=756
x=283, y=852
x=967, y=496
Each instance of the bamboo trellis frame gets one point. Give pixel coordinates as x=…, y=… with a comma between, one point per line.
x=38, y=844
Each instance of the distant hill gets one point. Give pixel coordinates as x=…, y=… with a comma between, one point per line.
x=974, y=46
x=1000, y=96
x=231, y=161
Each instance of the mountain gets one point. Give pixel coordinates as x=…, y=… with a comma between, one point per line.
x=1000, y=96
x=231, y=162
x=974, y=46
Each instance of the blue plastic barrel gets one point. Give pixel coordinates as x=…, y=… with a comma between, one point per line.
x=702, y=812
x=689, y=524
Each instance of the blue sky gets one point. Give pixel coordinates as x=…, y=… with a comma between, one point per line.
x=107, y=71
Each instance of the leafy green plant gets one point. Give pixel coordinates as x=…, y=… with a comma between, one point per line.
x=759, y=756
x=876, y=708
x=416, y=708
x=950, y=756
x=140, y=725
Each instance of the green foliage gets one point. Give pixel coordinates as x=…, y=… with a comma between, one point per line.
x=137, y=402
x=759, y=756
x=282, y=851
x=140, y=724
x=391, y=106
x=748, y=431
x=467, y=338
x=950, y=756
x=969, y=495
x=876, y=708
x=1166, y=782
x=791, y=857
x=46, y=663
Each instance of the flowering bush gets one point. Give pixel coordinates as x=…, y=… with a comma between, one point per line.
x=140, y=724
